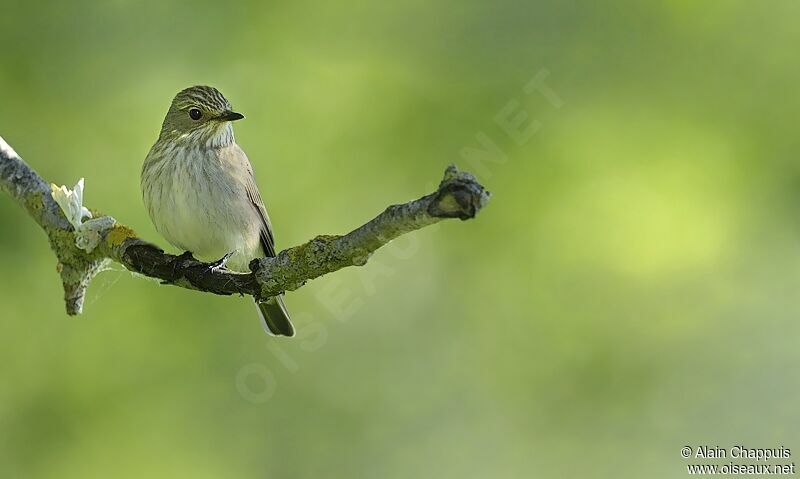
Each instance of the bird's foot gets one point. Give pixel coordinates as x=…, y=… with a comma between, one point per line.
x=219, y=265
x=186, y=255
x=176, y=265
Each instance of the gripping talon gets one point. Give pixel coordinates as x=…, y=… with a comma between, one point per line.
x=186, y=255
x=176, y=264
x=219, y=265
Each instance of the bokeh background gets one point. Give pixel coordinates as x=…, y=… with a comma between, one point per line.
x=631, y=288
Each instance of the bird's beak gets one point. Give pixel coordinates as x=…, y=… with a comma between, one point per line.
x=230, y=116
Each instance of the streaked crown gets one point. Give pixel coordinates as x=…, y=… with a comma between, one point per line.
x=199, y=114
x=203, y=96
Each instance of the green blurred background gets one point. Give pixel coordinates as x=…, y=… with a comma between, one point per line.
x=630, y=289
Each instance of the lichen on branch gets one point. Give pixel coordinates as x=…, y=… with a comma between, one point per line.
x=82, y=248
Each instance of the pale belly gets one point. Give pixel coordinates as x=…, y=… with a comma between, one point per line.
x=199, y=207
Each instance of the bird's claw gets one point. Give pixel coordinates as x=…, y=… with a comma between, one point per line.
x=176, y=265
x=213, y=267
x=219, y=265
x=184, y=256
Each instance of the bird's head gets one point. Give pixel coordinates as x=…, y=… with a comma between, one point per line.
x=200, y=114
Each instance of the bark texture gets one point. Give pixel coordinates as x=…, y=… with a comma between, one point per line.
x=459, y=195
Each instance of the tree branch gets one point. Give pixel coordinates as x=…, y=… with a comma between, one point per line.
x=459, y=196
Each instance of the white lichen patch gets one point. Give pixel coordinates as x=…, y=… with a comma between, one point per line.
x=6, y=149
x=88, y=233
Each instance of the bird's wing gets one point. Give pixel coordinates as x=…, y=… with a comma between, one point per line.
x=267, y=241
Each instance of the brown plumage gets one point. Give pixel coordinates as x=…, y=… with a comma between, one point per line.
x=200, y=191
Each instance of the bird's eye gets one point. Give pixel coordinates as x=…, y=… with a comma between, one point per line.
x=195, y=114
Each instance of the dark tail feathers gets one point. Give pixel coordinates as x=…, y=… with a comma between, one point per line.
x=276, y=318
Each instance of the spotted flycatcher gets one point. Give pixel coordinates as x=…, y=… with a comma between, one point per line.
x=199, y=189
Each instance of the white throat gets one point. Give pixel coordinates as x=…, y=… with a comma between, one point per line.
x=211, y=135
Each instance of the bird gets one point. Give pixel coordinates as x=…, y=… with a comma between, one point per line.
x=200, y=191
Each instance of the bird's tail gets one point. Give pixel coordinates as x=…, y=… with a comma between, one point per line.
x=276, y=318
